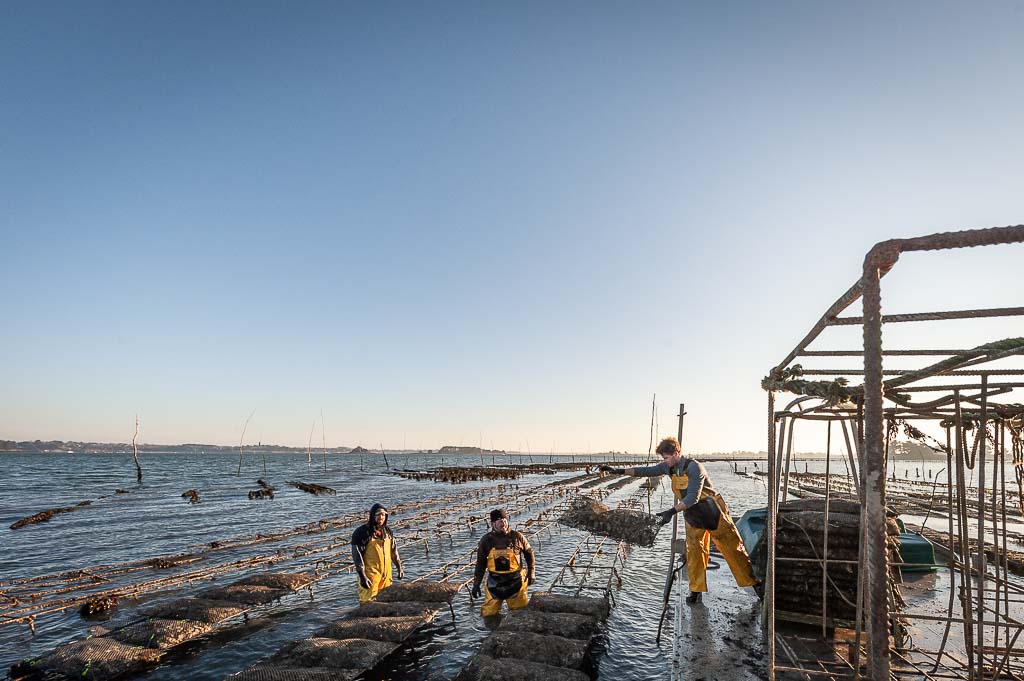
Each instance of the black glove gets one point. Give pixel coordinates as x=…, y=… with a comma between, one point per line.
x=609, y=469
x=475, y=593
x=401, y=573
x=665, y=516
x=530, y=580
x=363, y=581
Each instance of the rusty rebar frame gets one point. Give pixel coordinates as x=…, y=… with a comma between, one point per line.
x=870, y=437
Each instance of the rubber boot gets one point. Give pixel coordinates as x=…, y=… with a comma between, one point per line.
x=693, y=598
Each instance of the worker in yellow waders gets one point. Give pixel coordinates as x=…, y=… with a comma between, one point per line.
x=507, y=558
x=375, y=554
x=706, y=518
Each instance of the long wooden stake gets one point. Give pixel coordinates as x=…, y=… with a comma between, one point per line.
x=385, y=456
x=264, y=453
x=135, y=449
x=309, y=448
x=323, y=436
x=650, y=443
x=246, y=425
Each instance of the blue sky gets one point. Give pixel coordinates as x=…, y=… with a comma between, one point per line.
x=461, y=222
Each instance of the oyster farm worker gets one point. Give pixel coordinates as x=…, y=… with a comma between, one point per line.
x=507, y=558
x=705, y=514
x=375, y=554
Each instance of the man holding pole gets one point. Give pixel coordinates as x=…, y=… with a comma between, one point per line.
x=706, y=517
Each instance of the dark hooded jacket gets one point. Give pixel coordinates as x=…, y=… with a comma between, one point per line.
x=513, y=539
x=364, y=533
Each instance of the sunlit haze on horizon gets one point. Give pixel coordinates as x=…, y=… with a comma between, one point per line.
x=506, y=225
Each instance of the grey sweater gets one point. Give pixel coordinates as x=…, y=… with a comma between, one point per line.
x=698, y=477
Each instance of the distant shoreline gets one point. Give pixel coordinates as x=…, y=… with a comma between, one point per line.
x=58, y=447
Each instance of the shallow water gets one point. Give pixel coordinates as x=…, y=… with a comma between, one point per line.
x=154, y=520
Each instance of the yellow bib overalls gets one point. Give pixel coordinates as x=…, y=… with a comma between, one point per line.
x=506, y=581
x=376, y=566
x=698, y=544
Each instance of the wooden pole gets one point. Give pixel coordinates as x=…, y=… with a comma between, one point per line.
x=244, y=426
x=309, y=448
x=323, y=438
x=650, y=443
x=135, y=449
x=682, y=413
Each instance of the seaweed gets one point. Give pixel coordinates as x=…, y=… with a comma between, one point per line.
x=310, y=487
x=44, y=516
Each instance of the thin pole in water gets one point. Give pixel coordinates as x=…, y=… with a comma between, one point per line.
x=135, y=449
x=240, y=439
x=309, y=448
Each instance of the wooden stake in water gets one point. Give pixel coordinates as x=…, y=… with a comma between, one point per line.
x=323, y=438
x=386, y=464
x=135, y=449
x=309, y=448
x=246, y=425
x=650, y=443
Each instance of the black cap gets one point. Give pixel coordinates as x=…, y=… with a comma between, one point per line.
x=498, y=514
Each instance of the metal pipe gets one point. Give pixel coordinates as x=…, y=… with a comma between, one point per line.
x=880, y=259
x=768, y=609
x=935, y=316
x=981, y=526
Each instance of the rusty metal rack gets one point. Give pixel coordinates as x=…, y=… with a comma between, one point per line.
x=966, y=405
x=321, y=547
x=595, y=565
x=448, y=518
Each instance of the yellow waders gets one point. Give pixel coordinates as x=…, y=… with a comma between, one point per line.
x=376, y=566
x=726, y=537
x=506, y=581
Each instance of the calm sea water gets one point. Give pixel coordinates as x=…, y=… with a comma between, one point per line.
x=153, y=520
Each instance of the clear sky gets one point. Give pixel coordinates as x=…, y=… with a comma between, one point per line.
x=465, y=223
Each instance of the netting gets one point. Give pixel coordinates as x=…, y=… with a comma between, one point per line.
x=352, y=653
x=393, y=629
x=546, y=649
x=98, y=658
x=407, y=609
x=801, y=535
x=579, y=605
x=565, y=624
x=277, y=580
x=159, y=633
x=197, y=609
x=246, y=595
x=484, y=668
x=423, y=591
x=267, y=672
x=620, y=524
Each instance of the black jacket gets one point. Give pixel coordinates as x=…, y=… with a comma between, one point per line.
x=364, y=533
x=513, y=539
